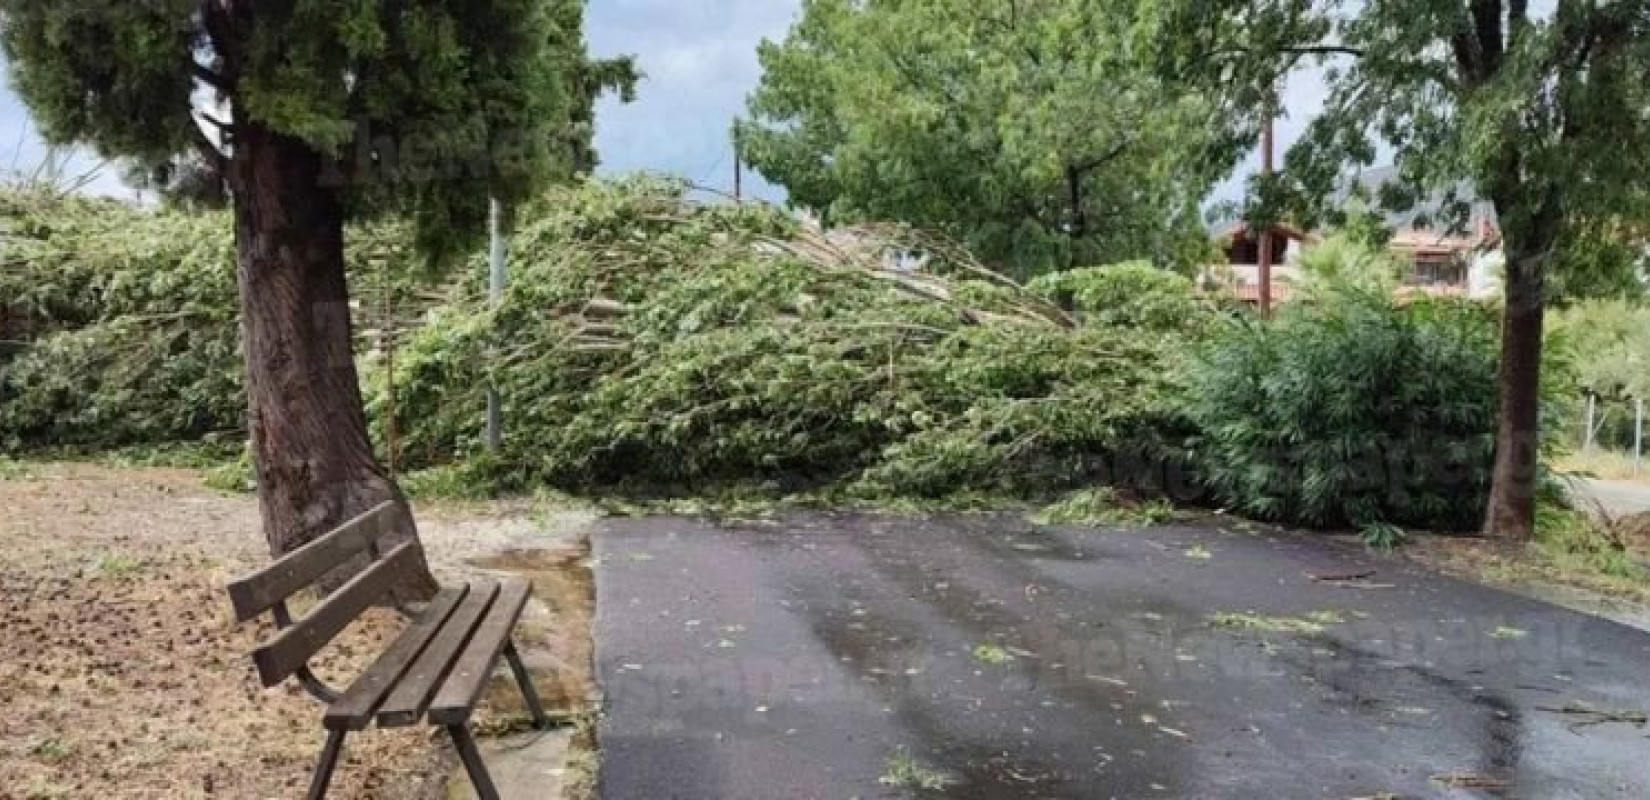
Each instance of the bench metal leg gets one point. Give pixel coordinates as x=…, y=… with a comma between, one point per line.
x=329, y=760
x=471, y=757
x=525, y=681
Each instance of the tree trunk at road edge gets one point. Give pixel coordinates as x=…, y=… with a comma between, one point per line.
x=315, y=464
x=1511, y=511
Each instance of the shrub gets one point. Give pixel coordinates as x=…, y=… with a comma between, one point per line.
x=1351, y=410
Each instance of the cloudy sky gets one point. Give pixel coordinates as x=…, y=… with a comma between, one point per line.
x=700, y=61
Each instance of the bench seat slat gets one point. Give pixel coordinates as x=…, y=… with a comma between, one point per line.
x=353, y=711
x=409, y=699
x=290, y=649
x=458, y=696
x=258, y=592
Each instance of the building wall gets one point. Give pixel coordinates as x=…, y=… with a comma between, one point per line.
x=1484, y=273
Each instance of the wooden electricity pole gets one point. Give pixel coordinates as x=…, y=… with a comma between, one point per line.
x=1267, y=143
x=738, y=175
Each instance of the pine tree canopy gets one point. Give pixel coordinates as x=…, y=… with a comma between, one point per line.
x=427, y=107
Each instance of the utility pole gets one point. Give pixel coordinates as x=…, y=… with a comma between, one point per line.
x=1267, y=143
x=1638, y=438
x=738, y=175
x=495, y=296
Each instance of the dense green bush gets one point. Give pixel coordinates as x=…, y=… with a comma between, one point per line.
x=1351, y=409
x=647, y=343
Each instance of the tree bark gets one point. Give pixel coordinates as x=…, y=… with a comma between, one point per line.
x=1511, y=511
x=314, y=460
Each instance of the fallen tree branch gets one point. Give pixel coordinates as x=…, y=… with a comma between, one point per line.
x=1587, y=716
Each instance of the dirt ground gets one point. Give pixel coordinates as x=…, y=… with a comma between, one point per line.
x=123, y=674
x=1520, y=569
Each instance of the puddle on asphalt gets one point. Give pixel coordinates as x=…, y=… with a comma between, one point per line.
x=558, y=648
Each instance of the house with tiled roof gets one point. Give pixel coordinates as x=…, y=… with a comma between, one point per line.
x=1461, y=260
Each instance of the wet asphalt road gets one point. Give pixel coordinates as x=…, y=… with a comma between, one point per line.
x=794, y=660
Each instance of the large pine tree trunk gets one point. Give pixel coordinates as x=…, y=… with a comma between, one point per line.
x=315, y=464
x=1511, y=512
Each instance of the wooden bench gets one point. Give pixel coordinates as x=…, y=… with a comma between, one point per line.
x=434, y=671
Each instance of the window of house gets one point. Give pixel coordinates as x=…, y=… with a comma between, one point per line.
x=1438, y=270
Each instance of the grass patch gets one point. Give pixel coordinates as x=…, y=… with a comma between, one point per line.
x=460, y=482
x=1574, y=542
x=1315, y=622
x=904, y=771
x=1105, y=506
x=1571, y=549
x=1604, y=464
x=583, y=767
x=117, y=565
x=11, y=470
x=236, y=476
x=52, y=750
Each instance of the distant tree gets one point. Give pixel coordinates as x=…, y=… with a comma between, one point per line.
x=309, y=112
x=1542, y=112
x=1027, y=130
x=1610, y=340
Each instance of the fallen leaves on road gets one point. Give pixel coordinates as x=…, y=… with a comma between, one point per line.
x=1314, y=622
x=1471, y=780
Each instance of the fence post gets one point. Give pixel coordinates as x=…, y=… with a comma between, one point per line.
x=1592, y=411
x=495, y=295
x=1638, y=437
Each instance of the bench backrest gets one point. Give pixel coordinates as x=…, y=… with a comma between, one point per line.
x=268, y=589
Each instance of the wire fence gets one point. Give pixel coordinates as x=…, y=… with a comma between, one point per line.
x=1610, y=431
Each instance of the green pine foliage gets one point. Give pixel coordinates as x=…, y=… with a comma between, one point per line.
x=427, y=108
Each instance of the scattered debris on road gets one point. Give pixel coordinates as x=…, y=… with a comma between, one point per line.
x=1355, y=580
x=1587, y=716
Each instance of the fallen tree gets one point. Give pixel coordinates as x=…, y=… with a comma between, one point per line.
x=134, y=322
x=650, y=344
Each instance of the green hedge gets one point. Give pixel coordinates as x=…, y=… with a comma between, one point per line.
x=1351, y=409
